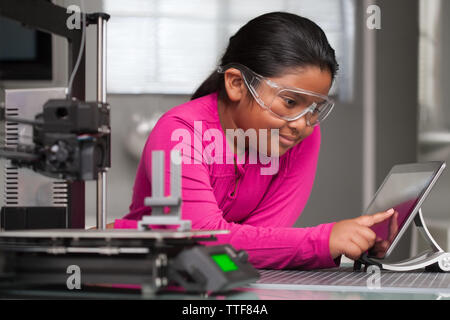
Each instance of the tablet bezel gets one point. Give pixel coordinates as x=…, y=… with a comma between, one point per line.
x=437, y=167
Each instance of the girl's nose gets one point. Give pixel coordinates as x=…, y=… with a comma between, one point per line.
x=298, y=125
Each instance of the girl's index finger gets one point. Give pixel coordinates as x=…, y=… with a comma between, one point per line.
x=370, y=220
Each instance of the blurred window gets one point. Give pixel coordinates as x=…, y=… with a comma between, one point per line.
x=171, y=46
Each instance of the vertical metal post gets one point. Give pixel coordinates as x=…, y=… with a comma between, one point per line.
x=101, y=97
x=158, y=180
x=369, y=112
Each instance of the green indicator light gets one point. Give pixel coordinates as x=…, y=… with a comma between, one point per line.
x=224, y=262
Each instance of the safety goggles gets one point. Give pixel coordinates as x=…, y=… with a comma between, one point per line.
x=288, y=104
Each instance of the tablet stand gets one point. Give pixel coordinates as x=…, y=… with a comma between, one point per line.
x=434, y=259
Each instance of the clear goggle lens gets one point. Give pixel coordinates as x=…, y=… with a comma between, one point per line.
x=290, y=104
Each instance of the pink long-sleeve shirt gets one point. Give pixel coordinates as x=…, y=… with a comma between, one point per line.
x=260, y=214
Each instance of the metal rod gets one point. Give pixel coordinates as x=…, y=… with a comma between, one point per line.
x=101, y=97
x=158, y=180
x=369, y=113
x=101, y=200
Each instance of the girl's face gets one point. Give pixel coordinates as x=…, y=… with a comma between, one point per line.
x=248, y=114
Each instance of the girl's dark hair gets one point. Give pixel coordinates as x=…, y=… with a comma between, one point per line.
x=269, y=44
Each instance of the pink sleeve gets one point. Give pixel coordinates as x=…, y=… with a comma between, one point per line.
x=268, y=246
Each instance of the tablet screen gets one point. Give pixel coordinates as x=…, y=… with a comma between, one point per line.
x=401, y=191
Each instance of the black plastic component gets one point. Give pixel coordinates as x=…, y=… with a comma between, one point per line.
x=92, y=18
x=71, y=139
x=197, y=262
x=365, y=261
x=21, y=218
x=72, y=116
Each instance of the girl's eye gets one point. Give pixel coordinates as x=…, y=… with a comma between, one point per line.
x=289, y=102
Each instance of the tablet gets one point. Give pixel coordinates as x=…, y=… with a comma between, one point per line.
x=405, y=188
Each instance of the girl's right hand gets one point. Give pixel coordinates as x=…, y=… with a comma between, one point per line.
x=353, y=237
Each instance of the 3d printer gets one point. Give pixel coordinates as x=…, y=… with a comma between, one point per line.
x=70, y=141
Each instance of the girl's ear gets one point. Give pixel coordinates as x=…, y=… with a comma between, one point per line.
x=234, y=84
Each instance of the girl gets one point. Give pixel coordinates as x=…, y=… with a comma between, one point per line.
x=272, y=83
